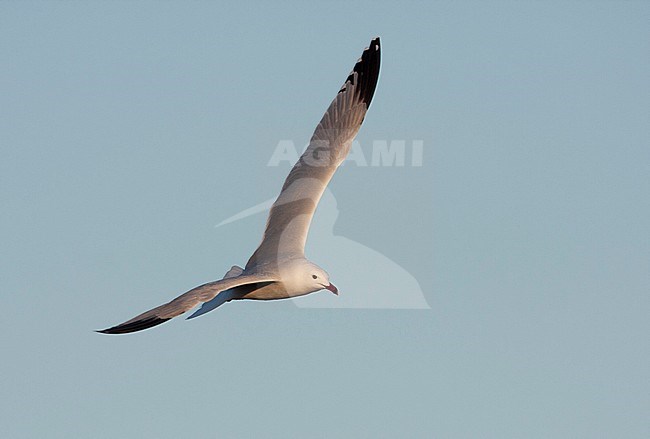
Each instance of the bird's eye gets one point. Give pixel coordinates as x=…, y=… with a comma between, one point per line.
x=314, y=276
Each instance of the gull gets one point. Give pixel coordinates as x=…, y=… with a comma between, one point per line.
x=278, y=269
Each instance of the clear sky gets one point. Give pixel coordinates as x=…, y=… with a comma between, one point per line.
x=129, y=130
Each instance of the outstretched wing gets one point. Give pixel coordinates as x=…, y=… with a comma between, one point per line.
x=290, y=216
x=185, y=302
x=224, y=296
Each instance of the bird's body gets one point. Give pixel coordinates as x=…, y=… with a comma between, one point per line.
x=278, y=269
x=296, y=279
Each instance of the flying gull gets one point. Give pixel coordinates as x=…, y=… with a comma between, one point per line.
x=278, y=269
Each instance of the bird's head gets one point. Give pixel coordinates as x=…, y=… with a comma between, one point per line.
x=306, y=277
x=321, y=280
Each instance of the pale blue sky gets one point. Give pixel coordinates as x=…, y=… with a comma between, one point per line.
x=128, y=130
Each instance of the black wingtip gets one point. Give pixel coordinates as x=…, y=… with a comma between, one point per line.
x=139, y=325
x=367, y=69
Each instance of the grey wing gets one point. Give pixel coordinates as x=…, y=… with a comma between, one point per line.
x=220, y=298
x=291, y=214
x=185, y=302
